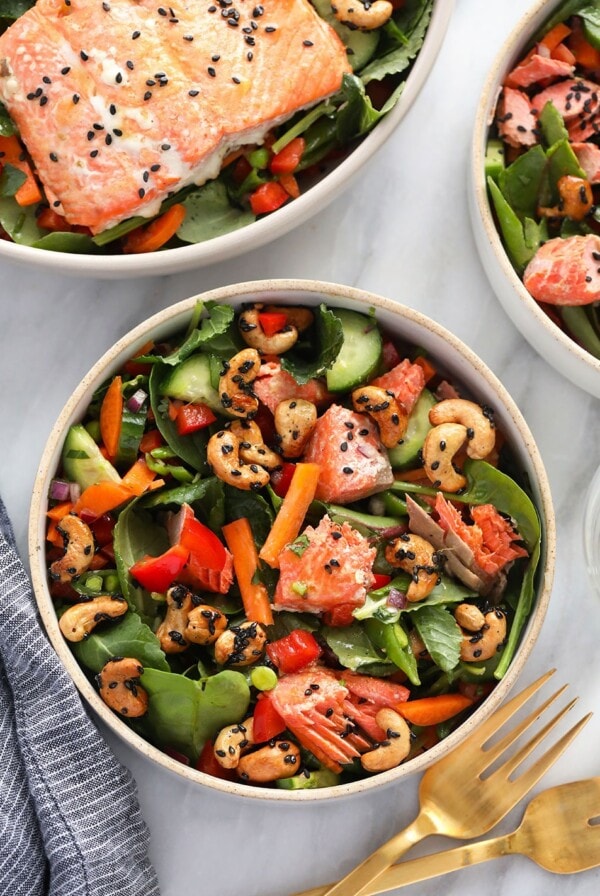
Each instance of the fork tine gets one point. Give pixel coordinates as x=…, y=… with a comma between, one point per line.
x=515, y=761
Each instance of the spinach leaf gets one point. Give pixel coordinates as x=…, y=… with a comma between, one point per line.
x=524, y=605
x=393, y=640
x=20, y=222
x=590, y=14
x=13, y=9
x=317, y=350
x=260, y=515
x=11, y=179
x=68, y=242
x=376, y=606
x=192, y=448
x=7, y=125
x=355, y=651
x=214, y=332
x=406, y=33
x=136, y=535
x=129, y=637
x=441, y=635
x=521, y=182
x=209, y=213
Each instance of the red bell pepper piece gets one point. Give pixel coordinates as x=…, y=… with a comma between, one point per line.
x=286, y=161
x=294, y=651
x=267, y=198
x=159, y=573
x=338, y=616
x=266, y=722
x=202, y=543
x=207, y=762
x=381, y=581
x=102, y=529
x=272, y=322
x=280, y=479
x=192, y=417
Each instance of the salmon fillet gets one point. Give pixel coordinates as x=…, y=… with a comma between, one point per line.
x=122, y=102
x=536, y=69
x=565, y=271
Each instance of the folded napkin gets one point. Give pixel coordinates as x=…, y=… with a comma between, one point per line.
x=70, y=822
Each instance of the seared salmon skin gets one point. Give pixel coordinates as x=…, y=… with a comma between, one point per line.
x=122, y=102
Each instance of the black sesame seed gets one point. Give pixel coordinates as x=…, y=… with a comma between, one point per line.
x=148, y=95
x=108, y=139
x=211, y=71
x=65, y=70
x=193, y=92
x=165, y=146
x=43, y=100
x=94, y=153
x=347, y=470
x=47, y=80
x=118, y=77
x=270, y=28
x=236, y=80
x=141, y=192
x=136, y=34
x=84, y=56
x=112, y=109
x=154, y=168
x=307, y=43
x=75, y=98
x=118, y=132
x=53, y=157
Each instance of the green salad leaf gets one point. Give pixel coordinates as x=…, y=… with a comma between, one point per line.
x=210, y=213
x=317, y=349
x=190, y=448
x=136, y=534
x=441, y=635
x=128, y=637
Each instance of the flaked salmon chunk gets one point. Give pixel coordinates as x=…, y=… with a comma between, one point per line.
x=122, y=102
x=565, y=271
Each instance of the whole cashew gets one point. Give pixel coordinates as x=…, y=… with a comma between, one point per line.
x=204, y=625
x=252, y=447
x=295, y=419
x=576, y=199
x=478, y=419
x=362, y=14
x=254, y=335
x=235, y=383
x=232, y=741
x=278, y=760
x=79, y=549
x=80, y=619
x=417, y=645
x=119, y=683
x=441, y=444
x=171, y=631
x=223, y=455
x=469, y=617
x=383, y=408
x=241, y=645
x=485, y=643
x=417, y=556
x=390, y=752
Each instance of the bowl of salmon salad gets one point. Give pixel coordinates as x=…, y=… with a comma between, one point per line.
x=535, y=184
x=140, y=139
x=291, y=540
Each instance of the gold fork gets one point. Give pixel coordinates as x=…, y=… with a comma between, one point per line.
x=560, y=831
x=457, y=799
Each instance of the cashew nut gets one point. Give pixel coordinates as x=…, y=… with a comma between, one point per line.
x=119, y=683
x=79, y=549
x=223, y=455
x=241, y=645
x=204, y=625
x=485, y=643
x=235, y=383
x=383, y=408
x=80, y=619
x=362, y=14
x=469, y=617
x=232, y=742
x=417, y=645
x=171, y=631
x=441, y=444
x=478, y=419
x=252, y=447
x=576, y=199
x=391, y=752
x=297, y=315
x=278, y=760
x=295, y=419
x=254, y=335
x=417, y=556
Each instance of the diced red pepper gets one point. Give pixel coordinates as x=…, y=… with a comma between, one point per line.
x=266, y=723
x=193, y=417
x=339, y=616
x=272, y=322
x=159, y=573
x=294, y=651
x=280, y=479
x=151, y=440
x=200, y=541
x=207, y=762
x=381, y=581
x=268, y=198
x=266, y=423
x=175, y=754
x=286, y=161
x=49, y=219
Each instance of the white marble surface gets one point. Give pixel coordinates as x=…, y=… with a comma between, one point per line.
x=402, y=231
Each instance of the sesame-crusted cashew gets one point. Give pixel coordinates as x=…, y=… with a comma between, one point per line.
x=232, y=742
x=79, y=549
x=235, y=383
x=278, y=760
x=469, y=617
x=204, y=625
x=241, y=645
x=417, y=556
x=80, y=619
x=297, y=315
x=478, y=420
x=394, y=749
x=417, y=645
x=119, y=684
x=476, y=647
x=171, y=631
x=223, y=455
x=383, y=408
x=441, y=444
x=362, y=14
x=295, y=419
x=254, y=335
x=252, y=447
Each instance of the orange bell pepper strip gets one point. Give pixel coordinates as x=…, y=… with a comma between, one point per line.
x=152, y=236
x=111, y=413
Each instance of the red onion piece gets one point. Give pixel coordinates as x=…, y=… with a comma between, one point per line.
x=137, y=400
x=74, y=491
x=396, y=599
x=60, y=490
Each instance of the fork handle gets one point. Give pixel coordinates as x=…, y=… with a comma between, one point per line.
x=374, y=865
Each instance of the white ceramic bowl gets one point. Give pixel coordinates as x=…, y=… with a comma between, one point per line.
x=591, y=533
x=266, y=229
x=461, y=364
x=550, y=341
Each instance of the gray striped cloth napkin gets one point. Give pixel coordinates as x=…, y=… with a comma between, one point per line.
x=70, y=823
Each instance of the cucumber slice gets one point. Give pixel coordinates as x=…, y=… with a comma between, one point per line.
x=133, y=424
x=82, y=461
x=360, y=354
x=191, y=380
x=494, y=159
x=312, y=780
x=360, y=45
x=406, y=453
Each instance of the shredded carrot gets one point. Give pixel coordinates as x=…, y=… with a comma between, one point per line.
x=585, y=54
x=151, y=440
x=291, y=514
x=555, y=36
x=102, y=497
x=138, y=477
x=60, y=510
x=290, y=185
x=563, y=54
x=13, y=154
x=53, y=535
x=111, y=413
x=433, y=710
x=426, y=366
x=240, y=541
x=415, y=475
x=152, y=236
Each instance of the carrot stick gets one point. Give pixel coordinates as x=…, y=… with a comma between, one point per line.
x=255, y=598
x=291, y=513
x=152, y=236
x=415, y=475
x=585, y=54
x=138, y=477
x=53, y=535
x=555, y=36
x=102, y=497
x=60, y=510
x=433, y=710
x=151, y=440
x=12, y=152
x=111, y=412
x=290, y=185
x=426, y=366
